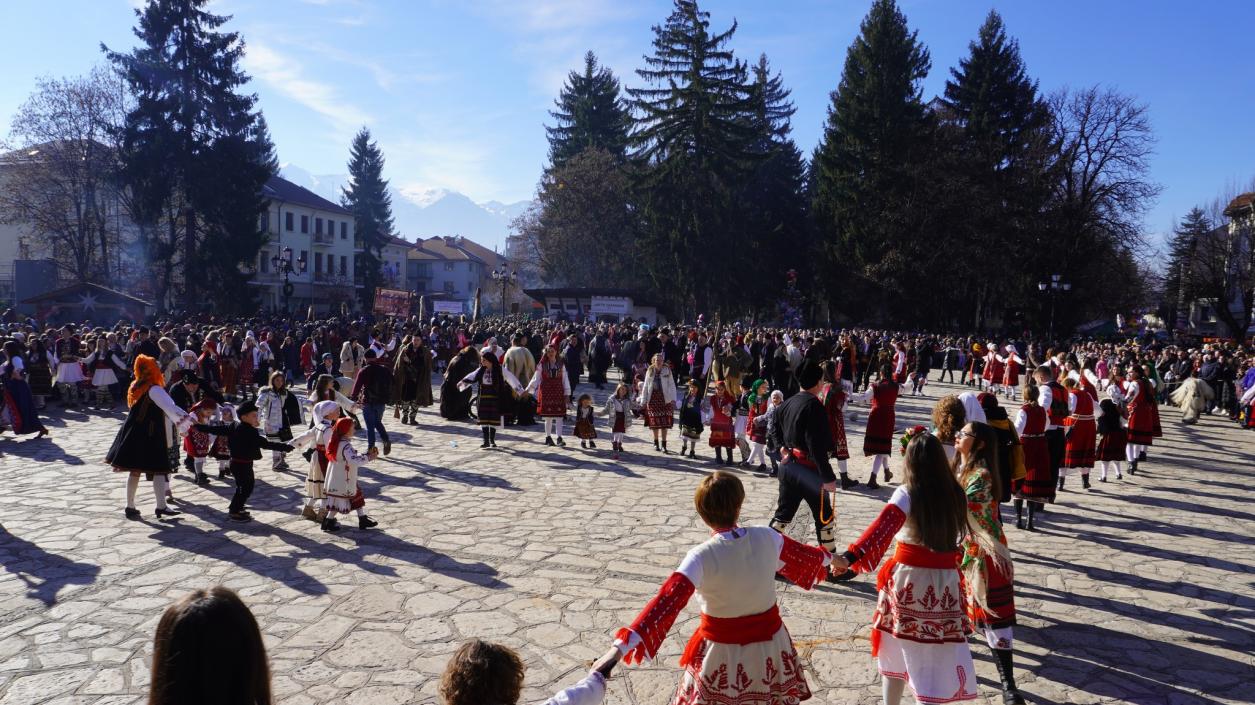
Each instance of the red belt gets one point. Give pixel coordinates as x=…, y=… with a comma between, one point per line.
x=802, y=458
x=750, y=629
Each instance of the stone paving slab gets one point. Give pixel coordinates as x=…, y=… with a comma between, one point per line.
x=1139, y=591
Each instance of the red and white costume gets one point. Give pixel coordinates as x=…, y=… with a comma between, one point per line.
x=835, y=397
x=1013, y=365
x=1138, y=395
x=994, y=369
x=721, y=420
x=899, y=366
x=552, y=389
x=1082, y=433
x=920, y=626
x=741, y=654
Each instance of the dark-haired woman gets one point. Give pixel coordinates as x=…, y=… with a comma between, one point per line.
x=986, y=565
x=455, y=402
x=917, y=639
x=208, y=651
x=878, y=438
x=17, y=405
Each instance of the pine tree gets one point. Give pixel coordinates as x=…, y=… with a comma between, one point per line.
x=368, y=198
x=186, y=144
x=1003, y=155
x=693, y=147
x=590, y=114
x=1180, y=287
x=870, y=167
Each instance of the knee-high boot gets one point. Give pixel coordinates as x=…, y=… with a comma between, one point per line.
x=1006, y=674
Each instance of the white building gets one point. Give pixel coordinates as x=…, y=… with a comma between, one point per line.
x=317, y=237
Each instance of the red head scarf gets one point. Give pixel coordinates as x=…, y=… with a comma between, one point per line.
x=343, y=429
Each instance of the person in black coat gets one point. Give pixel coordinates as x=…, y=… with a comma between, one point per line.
x=185, y=394
x=246, y=442
x=455, y=405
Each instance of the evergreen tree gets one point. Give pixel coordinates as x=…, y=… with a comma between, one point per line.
x=693, y=147
x=871, y=165
x=367, y=196
x=1180, y=286
x=590, y=114
x=1003, y=157
x=190, y=146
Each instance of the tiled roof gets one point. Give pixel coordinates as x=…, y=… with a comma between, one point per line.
x=279, y=188
x=1243, y=202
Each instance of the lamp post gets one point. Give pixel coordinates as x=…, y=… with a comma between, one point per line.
x=285, y=265
x=1054, y=286
x=504, y=276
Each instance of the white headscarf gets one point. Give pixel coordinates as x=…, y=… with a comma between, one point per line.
x=972, y=409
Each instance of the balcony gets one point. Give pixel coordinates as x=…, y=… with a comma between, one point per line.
x=324, y=239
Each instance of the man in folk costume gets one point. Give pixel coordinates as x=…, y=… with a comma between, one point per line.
x=801, y=429
x=142, y=444
x=1054, y=399
x=495, y=383
x=1081, y=434
x=741, y=653
x=552, y=389
x=411, y=379
x=1194, y=397
x=1012, y=366
x=246, y=442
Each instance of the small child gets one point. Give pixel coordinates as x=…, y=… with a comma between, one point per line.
x=326, y=413
x=222, y=449
x=1114, y=438
x=197, y=443
x=343, y=492
x=619, y=411
x=691, y=426
x=584, y=429
x=245, y=443
x=773, y=450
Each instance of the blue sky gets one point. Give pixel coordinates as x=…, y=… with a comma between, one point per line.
x=456, y=92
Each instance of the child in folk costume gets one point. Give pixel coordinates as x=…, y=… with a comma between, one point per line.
x=619, y=410
x=719, y=413
x=495, y=383
x=773, y=449
x=986, y=563
x=657, y=398
x=221, y=450
x=920, y=626
x=1081, y=435
x=325, y=415
x=1037, y=488
x=584, y=428
x=279, y=410
x=741, y=653
x=1012, y=367
x=103, y=365
x=197, y=443
x=552, y=388
x=835, y=397
x=1143, y=416
x=343, y=492
x=691, y=423
x=1111, y=447
x=878, y=438
x=756, y=422
x=245, y=442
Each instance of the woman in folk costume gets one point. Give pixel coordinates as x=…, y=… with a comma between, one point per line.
x=1088, y=380
x=17, y=404
x=326, y=414
x=1139, y=397
x=899, y=363
x=1037, y=488
x=69, y=372
x=1081, y=436
x=208, y=368
x=1012, y=367
x=920, y=626
x=142, y=444
x=995, y=369
x=986, y=564
x=229, y=364
x=741, y=654
x=101, y=363
x=976, y=367
x=657, y=398
x=691, y=423
x=878, y=438
x=343, y=494
x=411, y=378
x=948, y=416
x=39, y=366
x=835, y=398
x=1111, y=446
x=619, y=410
x=1010, y=454
x=552, y=389
x=720, y=410
x=246, y=379
x=495, y=385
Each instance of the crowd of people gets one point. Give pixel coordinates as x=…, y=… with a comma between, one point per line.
x=1029, y=416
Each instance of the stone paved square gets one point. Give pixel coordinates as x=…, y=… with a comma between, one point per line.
x=1139, y=591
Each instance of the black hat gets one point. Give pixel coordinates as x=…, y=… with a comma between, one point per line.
x=808, y=374
x=189, y=377
x=247, y=407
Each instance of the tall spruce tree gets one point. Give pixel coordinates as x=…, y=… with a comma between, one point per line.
x=590, y=114
x=1179, y=278
x=1004, y=158
x=870, y=180
x=693, y=147
x=191, y=146
x=368, y=198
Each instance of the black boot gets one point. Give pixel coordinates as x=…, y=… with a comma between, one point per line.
x=365, y=522
x=1061, y=482
x=847, y=482
x=1133, y=467
x=329, y=524
x=548, y=440
x=485, y=443
x=1019, y=514
x=718, y=455
x=1032, y=510
x=656, y=446
x=1085, y=481
x=1006, y=674
x=664, y=447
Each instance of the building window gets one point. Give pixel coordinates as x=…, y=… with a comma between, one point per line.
x=344, y=265
x=288, y=221
x=304, y=255
x=317, y=262
x=265, y=261
x=318, y=226
x=305, y=224
x=448, y=266
x=344, y=230
x=265, y=222
x=331, y=227
x=448, y=287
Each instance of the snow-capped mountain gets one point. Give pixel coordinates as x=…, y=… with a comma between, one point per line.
x=425, y=212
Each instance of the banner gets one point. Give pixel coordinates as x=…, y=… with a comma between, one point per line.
x=393, y=302
x=609, y=306
x=446, y=307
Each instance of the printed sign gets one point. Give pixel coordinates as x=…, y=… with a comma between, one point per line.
x=393, y=302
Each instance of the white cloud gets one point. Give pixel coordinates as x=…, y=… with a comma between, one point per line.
x=287, y=75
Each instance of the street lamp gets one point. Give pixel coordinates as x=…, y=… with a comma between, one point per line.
x=504, y=276
x=1054, y=286
x=285, y=265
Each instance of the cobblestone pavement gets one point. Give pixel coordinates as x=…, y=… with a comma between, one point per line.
x=1139, y=591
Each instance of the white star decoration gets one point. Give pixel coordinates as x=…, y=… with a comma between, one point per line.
x=87, y=301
